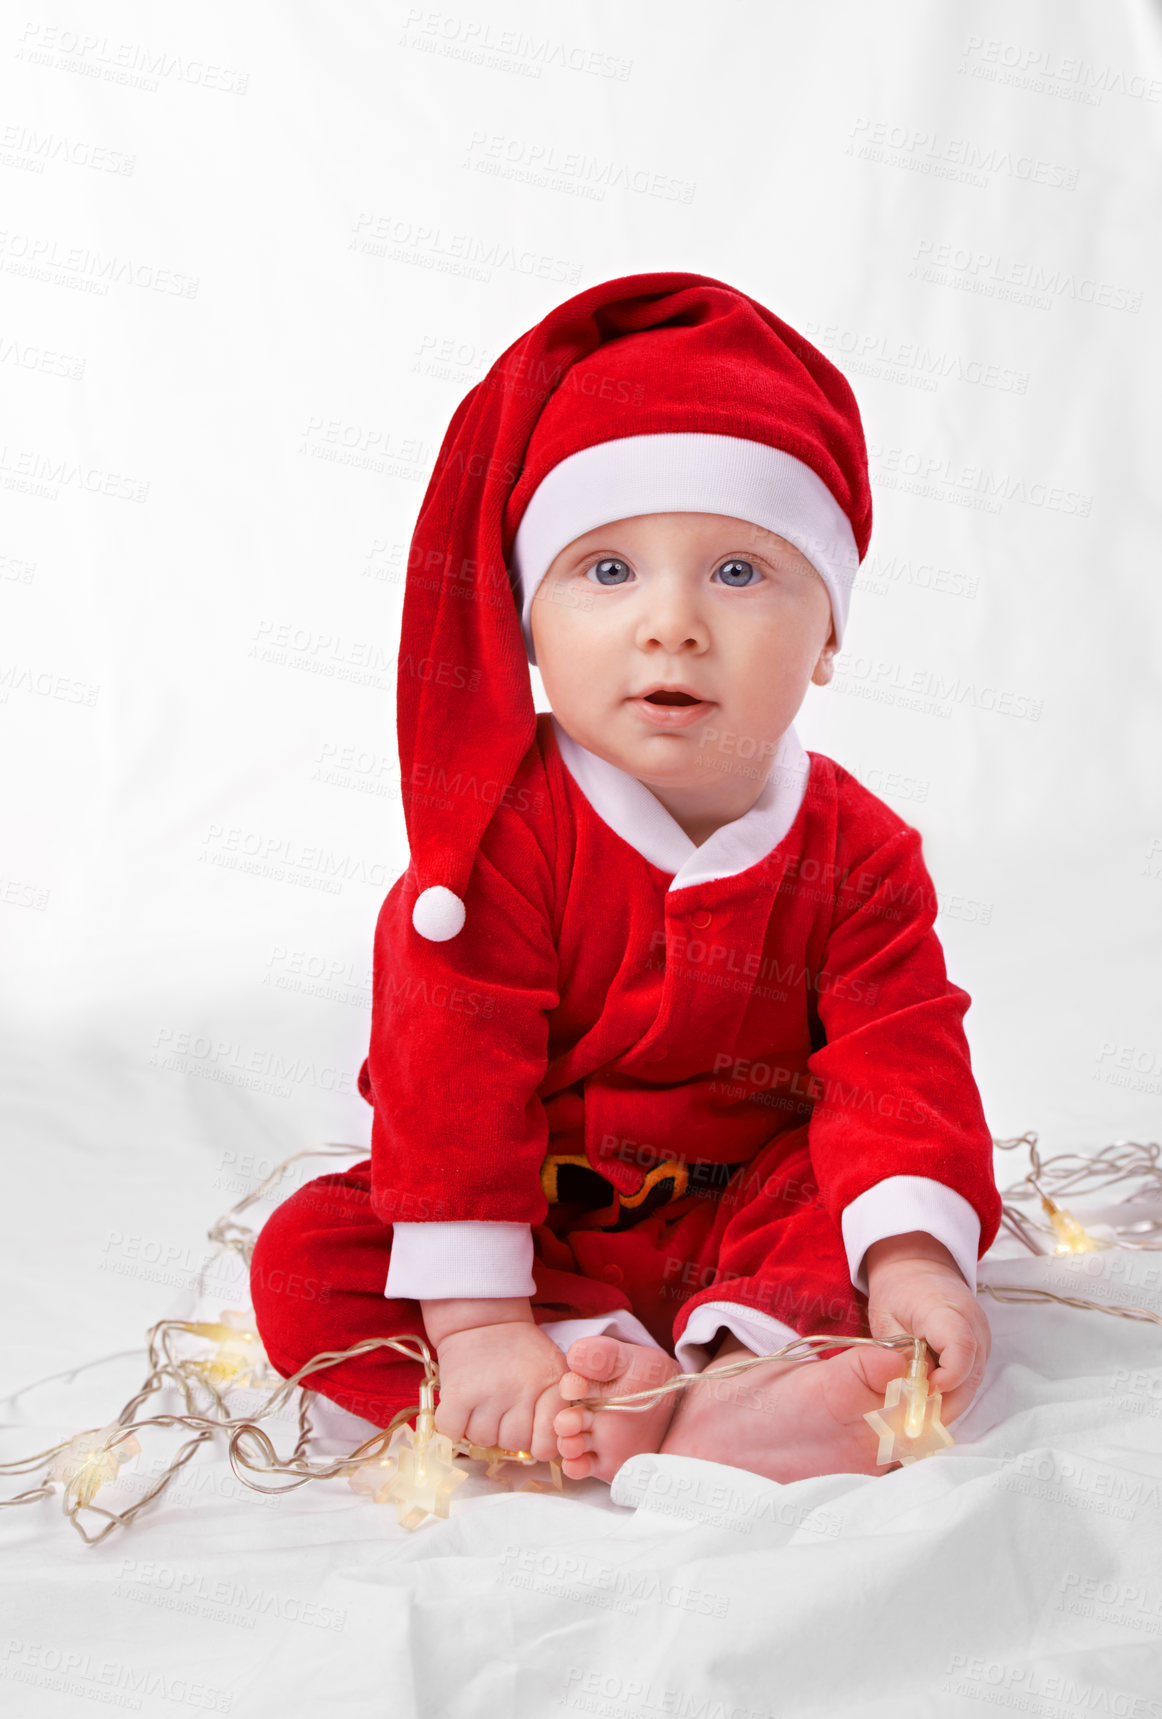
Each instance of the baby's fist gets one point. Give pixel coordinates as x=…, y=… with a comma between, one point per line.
x=923, y=1295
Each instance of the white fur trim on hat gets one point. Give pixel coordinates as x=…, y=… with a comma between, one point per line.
x=438, y=914
x=678, y=473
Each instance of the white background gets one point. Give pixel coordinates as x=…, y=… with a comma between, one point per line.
x=251, y=259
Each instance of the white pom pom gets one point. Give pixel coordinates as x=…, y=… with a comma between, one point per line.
x=438, y=914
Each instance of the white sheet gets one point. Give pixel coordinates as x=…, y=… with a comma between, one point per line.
x=223, y=396
x=1020, y=1563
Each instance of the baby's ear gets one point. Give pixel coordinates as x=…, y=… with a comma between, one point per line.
x=825, y=666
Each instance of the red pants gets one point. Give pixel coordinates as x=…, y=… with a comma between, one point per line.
x=763, y=1239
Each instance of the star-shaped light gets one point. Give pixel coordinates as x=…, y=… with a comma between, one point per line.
x=909, y=1424
x=373, y=1477
x=495, y=1455
x=85, y=1463
x=553, y=1484
x=425, y=1473
x=418, y=1471
x=238, y=1358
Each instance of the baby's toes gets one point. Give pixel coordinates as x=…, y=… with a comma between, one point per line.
x=574, y=1445
x=579, y=1468
x=577, y=1455
x=594, y=1358
x=570, y=1422
x=575, y=1385
x=573, y=1429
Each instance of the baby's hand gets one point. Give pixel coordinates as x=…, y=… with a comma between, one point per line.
x=498, y=1385
x=920, y=1291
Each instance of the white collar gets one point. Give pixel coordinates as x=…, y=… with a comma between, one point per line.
x=640, y=819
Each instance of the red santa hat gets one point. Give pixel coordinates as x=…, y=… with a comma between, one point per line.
x=653, y=393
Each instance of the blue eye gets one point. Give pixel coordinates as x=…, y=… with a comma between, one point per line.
x=733, y=562
x=602, y=566
x=609, y=564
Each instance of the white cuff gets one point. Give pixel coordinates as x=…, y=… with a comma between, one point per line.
x=433, y=1262
x=899, y=1204
x=620, y=1323
x=761, y=1334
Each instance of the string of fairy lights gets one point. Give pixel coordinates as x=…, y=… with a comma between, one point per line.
x=204, y=1364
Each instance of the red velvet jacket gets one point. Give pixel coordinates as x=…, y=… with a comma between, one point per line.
x=597, y=1004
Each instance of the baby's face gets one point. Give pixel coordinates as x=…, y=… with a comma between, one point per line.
x=714, y=604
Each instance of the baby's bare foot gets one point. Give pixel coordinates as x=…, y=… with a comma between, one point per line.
x=788, y=1420
x=593, y=1444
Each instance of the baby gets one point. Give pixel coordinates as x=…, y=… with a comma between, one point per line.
x=663, y=1046
x=742, y=622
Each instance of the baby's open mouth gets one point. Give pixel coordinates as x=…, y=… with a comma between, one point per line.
x=672, y=698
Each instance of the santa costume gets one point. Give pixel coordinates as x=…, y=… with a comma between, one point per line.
x=662, y=1089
